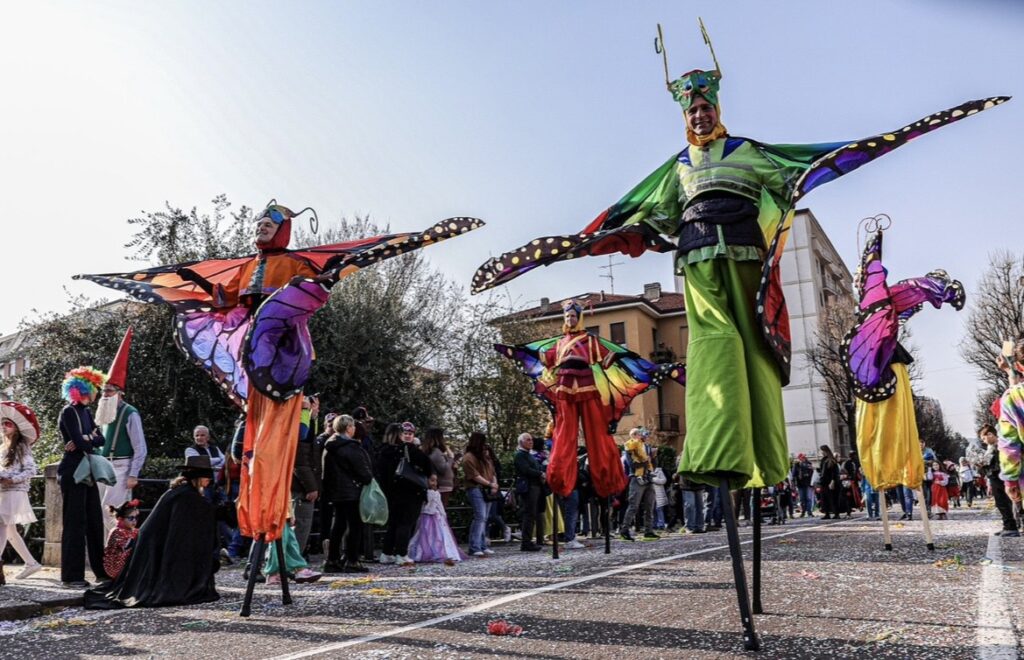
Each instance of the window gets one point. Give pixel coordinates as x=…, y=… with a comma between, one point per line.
x=594, y=330
x=618, y=333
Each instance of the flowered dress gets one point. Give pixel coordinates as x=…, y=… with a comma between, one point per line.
x=940, y=496
x=119, y=548
x=433, y=540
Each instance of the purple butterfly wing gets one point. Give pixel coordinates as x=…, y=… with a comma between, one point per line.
x=279, y=350
x=527, y=358
x=935, y=288
x=213, y=340
x=868, y=348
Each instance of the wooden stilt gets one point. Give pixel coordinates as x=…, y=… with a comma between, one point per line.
x=925, y=522
x=756, y=572
x=750, y=641
x=286, y=596
x=607, y=506
x=883, y=504
x=254, y=569
x=556, y=507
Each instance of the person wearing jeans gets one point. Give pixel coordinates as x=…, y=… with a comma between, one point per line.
x=478, y=471
x=995, y=482
x=693, y=505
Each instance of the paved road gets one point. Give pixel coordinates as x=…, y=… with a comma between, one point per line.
x=831, y=591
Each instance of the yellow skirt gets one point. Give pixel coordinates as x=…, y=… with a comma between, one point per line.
x=887, y=440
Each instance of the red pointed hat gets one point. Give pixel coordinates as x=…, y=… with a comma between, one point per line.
x=119, y=367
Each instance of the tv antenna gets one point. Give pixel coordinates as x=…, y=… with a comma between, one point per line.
x=611, y=273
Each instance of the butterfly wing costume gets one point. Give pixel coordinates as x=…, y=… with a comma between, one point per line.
x=244, y=321
x=725, y=206
x=887, y=439
x=585, y=379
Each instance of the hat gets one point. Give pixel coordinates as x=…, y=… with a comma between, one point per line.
x=197, y=466
x=801, y=457
x=408, y=427
x=23, y=417
x=360, y=415
x=118, y=374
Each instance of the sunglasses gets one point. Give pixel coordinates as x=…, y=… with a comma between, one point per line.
x=273, y=214
x=132, y=518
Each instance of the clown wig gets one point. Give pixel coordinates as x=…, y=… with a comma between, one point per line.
x=82, y=383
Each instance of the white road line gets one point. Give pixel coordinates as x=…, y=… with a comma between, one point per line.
x=996, y=637
x=497, y=602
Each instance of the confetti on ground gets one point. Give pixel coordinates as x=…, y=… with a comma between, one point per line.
x=787, y=541
x=955, y=562
x=807, y=575
x=502, y=627
x=57, y=623
x=351, y=582
x=382, y=592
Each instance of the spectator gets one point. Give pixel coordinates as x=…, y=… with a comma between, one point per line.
x=442, y=460
x=530, y=479
x=17, y=467
x=926, y=486
x=658, y=481
x=122, y=538
x=346, y=470
x=713, y=511
x=201, y=447
x=995, y=483
x=829, y=480
x=434, y=540
x=306, y=477
x=175, y=555
x=953, y=482
x=481, y=485
x=693, y=505
x=82, y=517
x=802, y=476
x=364, y=434
x=940, y=495
x=405, y=498
x=967, y=476
x=871, y=498
x=641, y=497
x=326, y=508
x=239, y=545
x=495, y=522
x=571, y=511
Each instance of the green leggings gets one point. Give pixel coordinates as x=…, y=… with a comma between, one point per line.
x=293, y=560
x=734, y=419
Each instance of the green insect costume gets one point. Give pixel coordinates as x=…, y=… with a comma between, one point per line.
x=727, y=202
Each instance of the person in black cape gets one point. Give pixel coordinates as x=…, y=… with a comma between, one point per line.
x=175, y=554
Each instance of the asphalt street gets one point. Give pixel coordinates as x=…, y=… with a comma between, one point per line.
x=830, y=591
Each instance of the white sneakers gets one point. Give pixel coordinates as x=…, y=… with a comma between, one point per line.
x=479, y=553
x=386, y=559
x=574, y=545
x=508, y=534
x=28, y=570
x=404, y=561
x=488, y=551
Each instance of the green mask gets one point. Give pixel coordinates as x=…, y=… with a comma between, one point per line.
x=696, y=83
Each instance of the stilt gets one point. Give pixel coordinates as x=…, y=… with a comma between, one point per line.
x=887, y=535
x=286, y=596
x=925, y=522
x=750, y=641
x=555, y=509
x=756, y=577
x=607, y=506
x=255, y=565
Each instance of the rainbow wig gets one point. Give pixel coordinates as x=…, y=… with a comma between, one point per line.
x=82, y=383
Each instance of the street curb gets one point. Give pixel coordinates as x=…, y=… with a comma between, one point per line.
x=29, y=606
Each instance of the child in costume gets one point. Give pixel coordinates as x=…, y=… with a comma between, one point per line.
x=940, y=496
x=17, y=467
x=294, y=562
x=433, y=540
x=122, y=538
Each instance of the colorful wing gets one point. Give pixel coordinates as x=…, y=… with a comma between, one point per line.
x=628, y=377
x=214, y=340
x=631, y=226
x=935, y=288
x=279, y=350
x=527, y=358
x=771, y=310
x=342, y=259
x=187, y=287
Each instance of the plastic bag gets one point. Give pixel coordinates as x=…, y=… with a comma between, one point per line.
x=373, y=506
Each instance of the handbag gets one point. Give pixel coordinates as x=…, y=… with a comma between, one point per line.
x=409, y=472
x=373, y=505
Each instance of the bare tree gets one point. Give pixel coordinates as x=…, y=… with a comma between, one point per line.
x=996, y=314
x=825, y=359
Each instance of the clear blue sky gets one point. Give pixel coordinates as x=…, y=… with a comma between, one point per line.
x=531, y=115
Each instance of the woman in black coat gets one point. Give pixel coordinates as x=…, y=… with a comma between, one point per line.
x=405, y=498
x=829, y=480
x=175, y=555
x=346, y=470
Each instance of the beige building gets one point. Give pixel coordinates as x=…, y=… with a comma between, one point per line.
x=652, y=325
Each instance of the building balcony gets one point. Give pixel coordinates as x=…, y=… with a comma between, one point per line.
x=668, y=423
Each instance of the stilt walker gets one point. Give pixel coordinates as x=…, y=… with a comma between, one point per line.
x=728, y=203
x=887, y=439
x=245, y=322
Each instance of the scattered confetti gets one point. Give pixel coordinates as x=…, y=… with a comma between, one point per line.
x=502, y=627
x=351, y=582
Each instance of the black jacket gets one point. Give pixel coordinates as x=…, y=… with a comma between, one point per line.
x=346, y=469
x=307, y=470
x=388, y=459
x=76, y=425
x=528, y=467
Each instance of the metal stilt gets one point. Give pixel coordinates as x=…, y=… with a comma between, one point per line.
x=750, y=641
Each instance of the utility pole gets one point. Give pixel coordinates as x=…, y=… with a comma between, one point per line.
x=611, y=275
